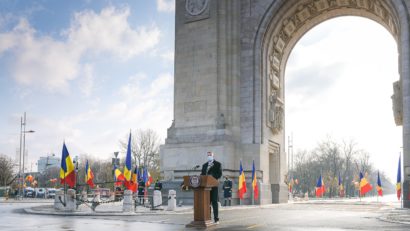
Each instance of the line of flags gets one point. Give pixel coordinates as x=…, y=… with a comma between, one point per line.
x=364, y=185
x=129, y=178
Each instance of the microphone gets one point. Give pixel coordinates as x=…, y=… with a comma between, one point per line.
x=193, y=169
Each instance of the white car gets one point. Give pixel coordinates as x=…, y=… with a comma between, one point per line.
x=50, y=193
x=40, y=192
x=29, y=192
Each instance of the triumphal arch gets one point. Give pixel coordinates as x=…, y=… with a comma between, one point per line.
x=230, y=60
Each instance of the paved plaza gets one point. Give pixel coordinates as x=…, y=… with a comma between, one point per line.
x=302, y=215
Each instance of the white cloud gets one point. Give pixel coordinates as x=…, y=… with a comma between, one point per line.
x=51, y=64
x=166, y=5
x=39, y=61
x=110, y=32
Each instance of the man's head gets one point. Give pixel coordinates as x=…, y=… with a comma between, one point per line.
x=210, y=156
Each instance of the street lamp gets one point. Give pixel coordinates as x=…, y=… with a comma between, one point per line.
x=23, y=132
x=115, y=162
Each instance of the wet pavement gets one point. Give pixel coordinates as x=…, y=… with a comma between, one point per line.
x=304, y=215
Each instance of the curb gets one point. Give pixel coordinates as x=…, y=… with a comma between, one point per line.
x=51, y=211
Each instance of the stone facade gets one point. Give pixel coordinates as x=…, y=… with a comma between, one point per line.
x=230, y=59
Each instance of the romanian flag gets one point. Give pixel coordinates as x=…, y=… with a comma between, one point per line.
x=67, y=173
x=341, y=189
x=134, y=180
x=379, y=185
x=89, y=175
x=320, y=187
x=127, y=167
x=147, y=177
x=254, y=182
x=241, y=182
x=118, y=176
x=364, y=185
x=398, y=184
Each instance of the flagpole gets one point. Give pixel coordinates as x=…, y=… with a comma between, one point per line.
x=376, y=188
x=401, y=185
x=65, y=190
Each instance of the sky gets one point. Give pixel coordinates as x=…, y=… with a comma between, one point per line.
x=86, y=72
x=339, y=83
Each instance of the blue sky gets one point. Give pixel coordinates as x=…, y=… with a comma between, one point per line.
x=89, y=71
x=85, y=72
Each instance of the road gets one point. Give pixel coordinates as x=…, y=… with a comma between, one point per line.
x=293, y=216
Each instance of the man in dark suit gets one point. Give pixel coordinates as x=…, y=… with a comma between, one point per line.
x=213, y=168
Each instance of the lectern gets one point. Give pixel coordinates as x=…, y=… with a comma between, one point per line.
x=201, y=185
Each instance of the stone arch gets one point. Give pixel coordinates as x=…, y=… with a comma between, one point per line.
x=227, y=54
x=279, y=29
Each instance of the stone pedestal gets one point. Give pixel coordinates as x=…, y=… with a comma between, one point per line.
x=57, y=203
x=172, y=201
x=127, y=203
x=97, y=197
x=157, y=198
x=112, y=196
x=70, y=201
x=84, y=196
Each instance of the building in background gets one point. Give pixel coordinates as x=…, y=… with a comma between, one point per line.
x=49, y=161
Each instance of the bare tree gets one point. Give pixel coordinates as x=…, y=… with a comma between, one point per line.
x=331, y=158
x=145, y=150
x=6, y=170
x=349, y=152
x=328, y=154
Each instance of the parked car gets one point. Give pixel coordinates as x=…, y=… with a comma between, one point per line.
x=40, y=192
x=50, y=192
x=29, y=192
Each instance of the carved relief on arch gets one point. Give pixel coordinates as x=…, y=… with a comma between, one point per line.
x=307, y=10
x=296, y=18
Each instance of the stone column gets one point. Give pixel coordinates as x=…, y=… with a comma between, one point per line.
x=127, y=203
x=172, y=201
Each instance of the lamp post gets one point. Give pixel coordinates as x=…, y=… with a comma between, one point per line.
x=22, y=151
x=115, y=162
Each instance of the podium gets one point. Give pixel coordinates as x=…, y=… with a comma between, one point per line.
x=201, y=185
